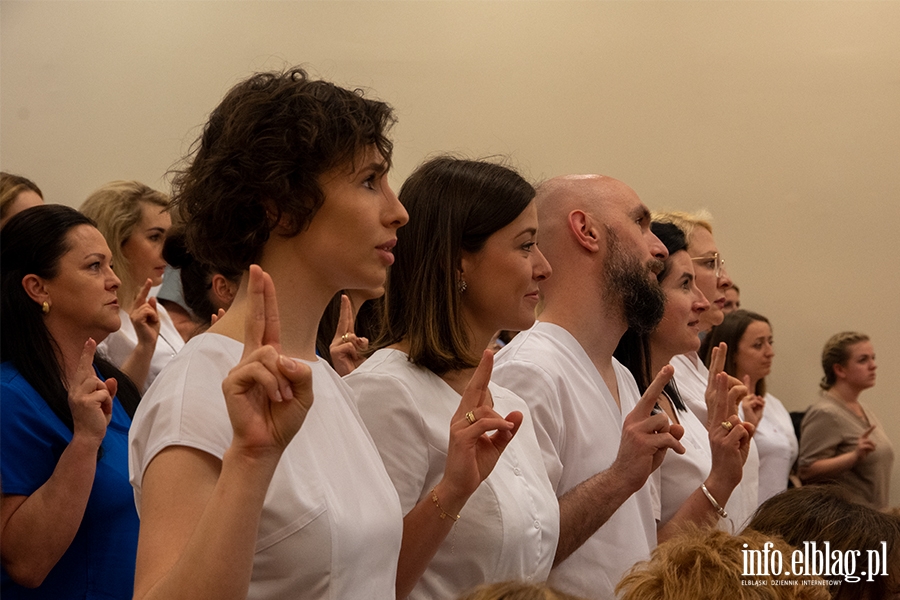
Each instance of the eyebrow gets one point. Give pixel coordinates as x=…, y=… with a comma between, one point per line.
x=94, y=254
x=378, y=167
x=641, y=212
x=528, y=230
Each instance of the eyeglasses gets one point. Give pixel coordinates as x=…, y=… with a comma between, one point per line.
x=713, y=263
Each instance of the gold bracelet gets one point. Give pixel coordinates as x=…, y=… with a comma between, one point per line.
x=444, y=513
x=712, y=501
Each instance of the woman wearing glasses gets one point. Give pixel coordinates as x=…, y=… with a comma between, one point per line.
x=691, y=375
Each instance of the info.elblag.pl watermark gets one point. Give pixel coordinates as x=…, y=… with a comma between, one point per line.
x=813, y=559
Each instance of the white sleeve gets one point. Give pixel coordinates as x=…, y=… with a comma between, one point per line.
x=388, y=409
x=536, y=388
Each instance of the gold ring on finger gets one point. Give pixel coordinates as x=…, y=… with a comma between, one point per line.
x=727, y=425
x=346, y=337
x=470, y=417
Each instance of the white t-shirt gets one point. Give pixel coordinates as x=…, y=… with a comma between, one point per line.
x=509, y=527
x=778, y=448
x=331, y=523
x=118, y=345
x=579, y=427
x=681, y=474
x=692, y=377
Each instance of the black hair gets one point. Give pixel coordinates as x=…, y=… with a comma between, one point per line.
x=633, y=350
x=33, y=242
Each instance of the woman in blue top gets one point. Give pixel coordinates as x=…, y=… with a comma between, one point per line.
x=69, y=525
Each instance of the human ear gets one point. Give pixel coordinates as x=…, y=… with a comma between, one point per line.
x=36, y=288
x=223, y=289
x=584, y=229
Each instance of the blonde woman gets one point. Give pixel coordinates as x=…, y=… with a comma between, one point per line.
x=134, y=220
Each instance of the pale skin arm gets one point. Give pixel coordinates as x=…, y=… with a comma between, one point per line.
x=829, y=467
x=199, y=515
x=645, y=439
x=471, y=456
x=145, y=319
x=729, y=453
x=38, y=529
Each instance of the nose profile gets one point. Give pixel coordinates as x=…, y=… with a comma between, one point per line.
x=657, y=249
x=542, y=268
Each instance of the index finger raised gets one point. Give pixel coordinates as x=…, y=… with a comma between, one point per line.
x=717, y=361
x=644, y=406
x=85, y=368
x=142, y=293
x=345, y=320
x=476, y=392
x=261, y=324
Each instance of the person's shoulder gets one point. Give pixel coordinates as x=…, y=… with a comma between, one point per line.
x=9, y=374
x=390, y=366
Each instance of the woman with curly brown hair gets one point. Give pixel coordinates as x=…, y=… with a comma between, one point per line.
x=236, y=499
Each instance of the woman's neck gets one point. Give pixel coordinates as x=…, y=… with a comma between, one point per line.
x=126, y=297
x=844, y=393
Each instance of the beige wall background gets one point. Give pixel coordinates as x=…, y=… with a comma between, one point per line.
x=782, y=118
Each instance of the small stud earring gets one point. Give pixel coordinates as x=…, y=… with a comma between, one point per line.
x=462, y=286
x=45, y=307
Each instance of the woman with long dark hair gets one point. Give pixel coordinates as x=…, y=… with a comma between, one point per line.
x=69, y=526
x=695, y=486
x=478, y=507
x=749, y=335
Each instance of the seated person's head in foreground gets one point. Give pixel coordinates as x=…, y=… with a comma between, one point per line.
x=701, y=564
x=516, y=590
x=820, y=513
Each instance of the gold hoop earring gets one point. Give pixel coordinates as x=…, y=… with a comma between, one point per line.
x=45, y=307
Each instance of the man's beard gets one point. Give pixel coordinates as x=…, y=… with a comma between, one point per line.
x=643, y=302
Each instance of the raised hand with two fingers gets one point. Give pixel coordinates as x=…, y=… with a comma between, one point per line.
x=473, y=451
x=90, y=398
x=144, y=316
x=268, y=394
x=346, y=347
x=646, y=435
x=729, y=439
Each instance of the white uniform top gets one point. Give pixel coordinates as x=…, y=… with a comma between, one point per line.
x=778, y=448
x=331, y=523
x=579, y=427
x=509, y=527
x=681, y=474
x=692, y=377
x=120, y=344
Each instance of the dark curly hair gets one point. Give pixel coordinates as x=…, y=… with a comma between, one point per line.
x=258, y=162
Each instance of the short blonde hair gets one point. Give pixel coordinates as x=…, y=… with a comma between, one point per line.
x=709, y=563
x=116, y=208
x=686, y=222
x=516, y=590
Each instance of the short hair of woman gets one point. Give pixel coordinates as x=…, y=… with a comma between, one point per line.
x=837, y=352
x=10, y=188
x=820, y=513
x=454, y=205
x=685, y=221
x=731, y=331
x=516, y=590
x=709, y=563
x=33, y=242
x=257, y=164
x=117, y=208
